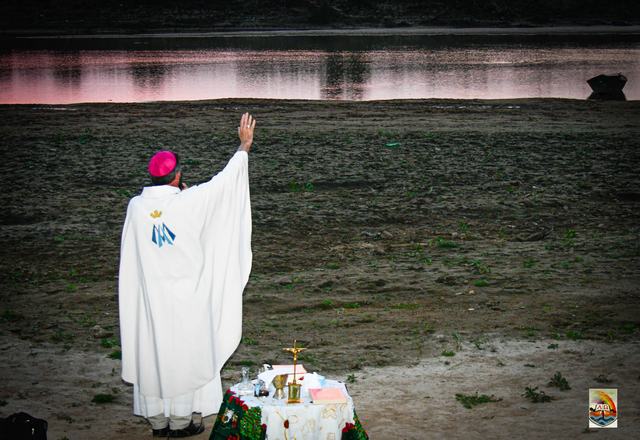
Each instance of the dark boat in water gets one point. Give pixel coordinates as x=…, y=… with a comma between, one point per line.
x=607, y=86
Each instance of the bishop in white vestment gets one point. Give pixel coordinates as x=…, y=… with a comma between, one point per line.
x=185, y=260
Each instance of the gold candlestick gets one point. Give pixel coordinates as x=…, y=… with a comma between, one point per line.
x=294, y=388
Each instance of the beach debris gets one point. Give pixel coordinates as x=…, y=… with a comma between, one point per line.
x=534, y=236
x=603, y=379
x=392, y=144
x=607, y=83
x=372, y=234
x=99, y=332
x=608, y=87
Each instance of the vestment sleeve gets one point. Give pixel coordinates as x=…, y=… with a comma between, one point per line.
x=226, y=242
x=128, y=297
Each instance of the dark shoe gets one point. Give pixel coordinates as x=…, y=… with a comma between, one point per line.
x=161, y=432
x=190, y=430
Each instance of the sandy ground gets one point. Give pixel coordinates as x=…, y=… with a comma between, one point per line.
x=384, y=234
x=420, y=398
x=410, y=402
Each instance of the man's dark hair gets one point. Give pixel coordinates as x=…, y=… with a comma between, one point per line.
x=168, y=178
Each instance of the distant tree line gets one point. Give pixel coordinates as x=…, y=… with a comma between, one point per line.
x=95, y=16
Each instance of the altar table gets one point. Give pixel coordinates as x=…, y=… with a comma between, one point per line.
x=258, y=418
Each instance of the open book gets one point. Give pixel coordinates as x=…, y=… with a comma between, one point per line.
x=327, y=395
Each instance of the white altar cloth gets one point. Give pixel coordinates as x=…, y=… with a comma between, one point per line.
x=306, y=420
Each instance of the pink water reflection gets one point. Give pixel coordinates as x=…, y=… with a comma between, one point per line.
x=64, y=77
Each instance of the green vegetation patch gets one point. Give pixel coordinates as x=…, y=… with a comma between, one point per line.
x=444, y=243
x=479, y=267
x=471, y=400
x=560, y=382
x=10, y=316
x=629, y=327
x=573, y=335
x=115, y=354
x=569, y=238
x=326, y=304
x=103, y=398
x=536, y=396
x=405, y=306
x=62, y=336
x=353, y=305
x=109, y=342
x=295, y=186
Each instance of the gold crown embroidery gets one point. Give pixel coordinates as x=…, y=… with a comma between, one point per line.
x=156, y=214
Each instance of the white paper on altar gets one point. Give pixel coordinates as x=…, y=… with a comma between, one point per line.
x=313, y=380
x=268, y=376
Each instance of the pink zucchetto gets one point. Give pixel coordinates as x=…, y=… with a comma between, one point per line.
x=162, y=163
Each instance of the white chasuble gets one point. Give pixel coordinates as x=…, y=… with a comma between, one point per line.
x=185, y=260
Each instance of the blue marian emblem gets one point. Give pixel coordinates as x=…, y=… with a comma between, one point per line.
x=162, y=234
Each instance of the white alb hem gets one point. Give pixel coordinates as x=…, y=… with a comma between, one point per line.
x=205, y=400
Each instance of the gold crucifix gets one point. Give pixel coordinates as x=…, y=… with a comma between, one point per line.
x=294, y=350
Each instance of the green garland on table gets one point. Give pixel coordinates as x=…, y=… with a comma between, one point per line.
x=354, y=431
x=250, y=427
x=236, y=421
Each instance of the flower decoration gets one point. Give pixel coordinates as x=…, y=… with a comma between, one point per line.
x=348, y=427
x=354, y=431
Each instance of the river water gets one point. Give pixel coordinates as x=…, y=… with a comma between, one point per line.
x=337, y=68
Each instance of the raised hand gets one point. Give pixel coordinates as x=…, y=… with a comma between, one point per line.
x=245, y=131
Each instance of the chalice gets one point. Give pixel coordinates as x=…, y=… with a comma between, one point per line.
x=279, y=382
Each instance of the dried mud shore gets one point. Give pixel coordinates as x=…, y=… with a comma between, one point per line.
x=504, y=234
